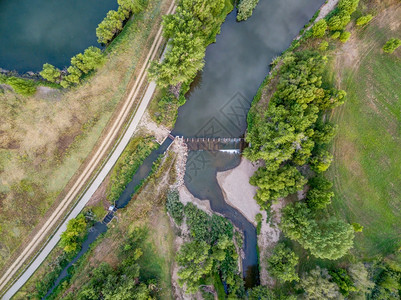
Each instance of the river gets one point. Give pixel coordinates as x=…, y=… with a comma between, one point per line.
x=218, y=103
x=47, y=31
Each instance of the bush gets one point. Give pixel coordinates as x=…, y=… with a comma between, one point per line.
x=319, y=29
x=70, y=238
x=245, y=9
x=336, y=35
x=281, y=264
x=323, y=46
x=174, y=207
x=22, y=86
x=50, y=73
x=361, y=21
x=320, y=193
x=344, y=36
x=391, y=45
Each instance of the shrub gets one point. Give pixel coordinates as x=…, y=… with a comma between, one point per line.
x=320, y=194
x=343, y=281
x=344, y=36
x=175, y=207
x=323, y=46
x=336, y=35
x=361, y=21
x=391, y=45
x=245, y=9
x=319, y=29
x=22, y=86
x=69, y=239
x=50, y=73
x=282, y=263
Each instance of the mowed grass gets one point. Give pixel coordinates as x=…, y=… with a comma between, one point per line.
x=367, y=149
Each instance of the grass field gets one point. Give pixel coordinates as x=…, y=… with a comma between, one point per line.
x=45, y=138
x=367, y=159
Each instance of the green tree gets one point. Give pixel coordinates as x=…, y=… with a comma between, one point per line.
x=320, y=193
x=281, y=264
x=74, y=75
x=391, y=45
x=70, y=237
x=323, y=46
x=343, y=281
x=21, y=86
x=133, y=6
x=276, y=184
x=321, y=161
x=335, y=35
x=50, y=73
x=319, y=29
x=348, y=6
x=109, y=27
x=344, y=36
x=338, y=22
x=296, y=222
x=174, y=206
x=362, y=282
x=317, y=285
x=245, y=9
x=331, y=239
x=195, y=264
x=361, y=21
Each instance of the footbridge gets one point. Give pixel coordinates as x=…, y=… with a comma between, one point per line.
x=222, y=144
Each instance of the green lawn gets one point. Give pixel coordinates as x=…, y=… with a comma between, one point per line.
x=367, y=163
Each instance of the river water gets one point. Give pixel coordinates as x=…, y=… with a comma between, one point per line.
x=218, y=103
x=34, y=32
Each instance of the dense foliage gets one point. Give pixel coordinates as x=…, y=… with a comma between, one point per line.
x=81, y=64
x=327, y=238
x=245, y=9
x=123, y=281
x=130, y=160
x=281, y=264
x=113, y=23
x=361, y=21
x=319, y=29
x=70, y=239
x=50, y=73
x=391, y=45
x=174, y=207
x=342, y=15
x=288, y=134
x=211, y=251
x=317, y=285
x=189, y=31
x=20, y=86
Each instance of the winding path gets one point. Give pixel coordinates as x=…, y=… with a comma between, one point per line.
x=86, y=175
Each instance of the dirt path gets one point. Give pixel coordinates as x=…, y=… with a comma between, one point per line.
x=89, y=170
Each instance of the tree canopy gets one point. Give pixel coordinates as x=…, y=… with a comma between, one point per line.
x=281, y=264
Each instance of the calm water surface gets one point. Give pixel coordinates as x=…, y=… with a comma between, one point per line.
x=33, y=32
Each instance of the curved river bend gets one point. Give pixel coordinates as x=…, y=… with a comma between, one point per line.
x=218, y=104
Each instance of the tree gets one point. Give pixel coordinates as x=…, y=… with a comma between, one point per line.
x=343, y=281
x=338, y=22
x=324, y=133
x=132, y=6
x=282, y=263
x=331, y=239
x=362, y=283
x=319, y=29
x=317, y=285
x=391, y=45
x=245, y=9
x=276, y=184
x=344, y=36
x=111, y=24
x=50, y=73
x=320, y=193
x=70, y=237
x=174, y=207
x=321, y=161
x=361, y=21
x=348, y=6
x=195, y=263
x=323, y=46
x=90, y=60
x=326, y=239
x=21, y=86
x=74, y=75
x=336, y=35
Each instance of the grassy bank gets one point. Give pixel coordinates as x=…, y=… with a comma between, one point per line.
x=367, y=164
x=46, y=137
